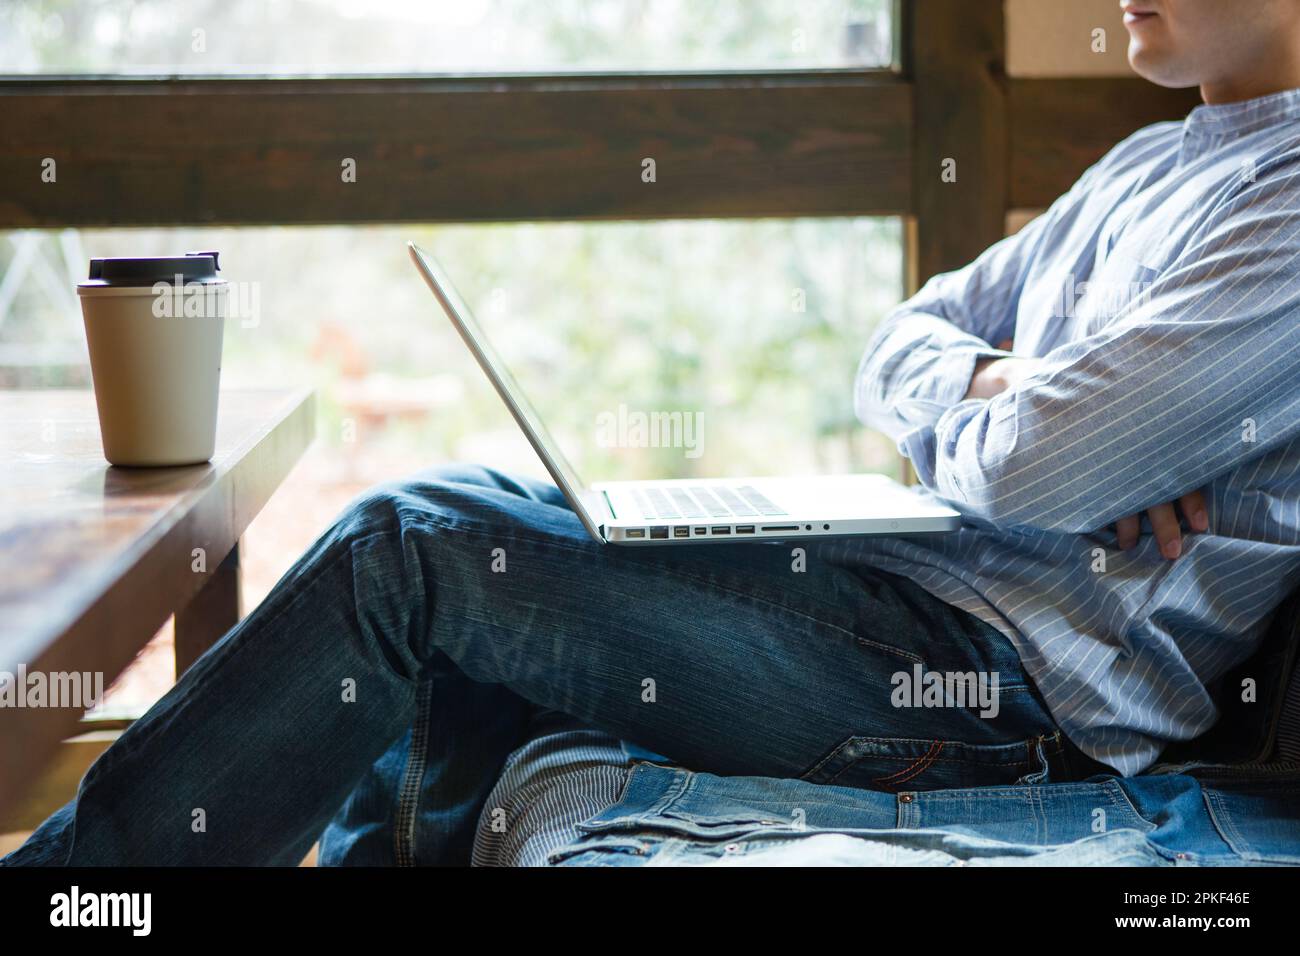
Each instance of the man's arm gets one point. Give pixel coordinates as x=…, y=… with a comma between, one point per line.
x=994, y=376
x=920, y=359
x=1199, y=375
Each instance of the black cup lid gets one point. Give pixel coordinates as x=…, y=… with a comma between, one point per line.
x=197, y=267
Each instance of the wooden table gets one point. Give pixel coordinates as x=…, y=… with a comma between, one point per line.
x=94, y=558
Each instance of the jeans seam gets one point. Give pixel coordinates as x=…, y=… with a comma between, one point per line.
x=408, y=799
x=682, y=785
x=816, y=768
x=1226, y=826
x=1119, y=794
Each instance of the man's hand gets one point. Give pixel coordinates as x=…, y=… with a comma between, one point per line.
x=995, y=375
x=1164, y=522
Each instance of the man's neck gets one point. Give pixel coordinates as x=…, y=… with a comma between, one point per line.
x=1235, y=89
x=1216, y=94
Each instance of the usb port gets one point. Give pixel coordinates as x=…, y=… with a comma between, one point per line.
x=636, y=532
x=681, y=532
x=721, y=529
x=744, y=529
x=659, y=532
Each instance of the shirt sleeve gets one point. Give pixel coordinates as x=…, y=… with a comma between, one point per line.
x=1195, y=376
x=919, y=361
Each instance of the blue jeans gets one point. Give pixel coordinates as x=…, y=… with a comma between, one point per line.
x=669, y=815
x=388, y=675
x=575, y=796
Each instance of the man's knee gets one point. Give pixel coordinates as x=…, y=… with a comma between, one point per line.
x=445, y=496
x=395, y=536
x=457, y=473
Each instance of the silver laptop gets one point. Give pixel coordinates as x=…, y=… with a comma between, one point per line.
x=694, y=510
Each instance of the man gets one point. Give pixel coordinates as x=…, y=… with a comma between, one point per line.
x=1155, y=315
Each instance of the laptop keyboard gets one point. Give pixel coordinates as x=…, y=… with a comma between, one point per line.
x=720, y=501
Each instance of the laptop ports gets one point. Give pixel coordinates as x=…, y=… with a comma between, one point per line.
x=744, y=529
x=660, y=531
x=681, y=532
x=721, y=529
x=636, y=532
x=700, y=532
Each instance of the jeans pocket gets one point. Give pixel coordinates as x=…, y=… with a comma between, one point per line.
x=1260, y=825
x=895, y=764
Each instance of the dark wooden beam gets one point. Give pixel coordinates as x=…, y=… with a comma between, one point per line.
x=1060, y=127
x=214, y=610
x=270, y=150
x=954, y=56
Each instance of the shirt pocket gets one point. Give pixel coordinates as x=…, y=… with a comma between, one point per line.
x=1116, y=290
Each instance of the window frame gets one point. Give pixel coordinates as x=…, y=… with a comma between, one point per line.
x=137, y=151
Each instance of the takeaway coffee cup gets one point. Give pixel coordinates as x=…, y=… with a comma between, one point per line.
x=154, y=328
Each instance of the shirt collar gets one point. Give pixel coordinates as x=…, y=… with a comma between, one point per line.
x=1247, y=116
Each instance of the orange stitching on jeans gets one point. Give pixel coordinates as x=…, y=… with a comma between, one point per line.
x=919, y=767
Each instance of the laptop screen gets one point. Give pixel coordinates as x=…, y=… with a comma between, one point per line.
x=502, y=379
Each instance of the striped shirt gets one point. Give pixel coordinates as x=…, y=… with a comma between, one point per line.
x=1162, y=294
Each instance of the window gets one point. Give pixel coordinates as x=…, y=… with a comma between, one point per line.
x=359, y=36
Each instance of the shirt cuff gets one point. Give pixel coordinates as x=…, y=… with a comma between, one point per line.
x=959, y=367
x=918, y=447
x=945, y=385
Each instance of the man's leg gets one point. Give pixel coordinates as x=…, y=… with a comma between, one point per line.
x=418, y=804
x=725, y=657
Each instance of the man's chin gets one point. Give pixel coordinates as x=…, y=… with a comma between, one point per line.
x=1158, y=70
